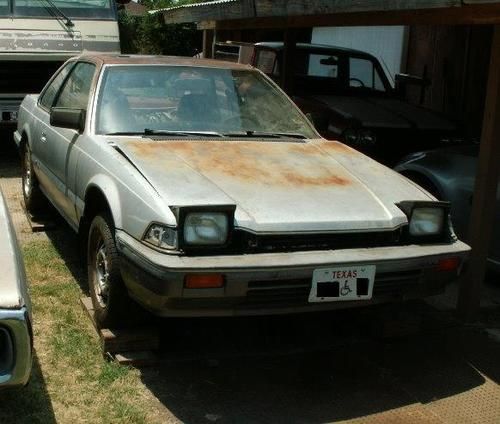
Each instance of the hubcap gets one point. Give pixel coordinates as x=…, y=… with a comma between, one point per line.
x=102, y=276
x=27, y=174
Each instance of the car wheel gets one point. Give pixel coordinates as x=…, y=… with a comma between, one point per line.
x=33, y=197
x=112, y=305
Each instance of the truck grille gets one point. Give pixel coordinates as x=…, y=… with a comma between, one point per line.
x=25, y=77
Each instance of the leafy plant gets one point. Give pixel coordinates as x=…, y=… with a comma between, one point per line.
x=150, y=35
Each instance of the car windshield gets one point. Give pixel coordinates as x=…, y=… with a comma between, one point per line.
x=87, y=9
x=206, y=100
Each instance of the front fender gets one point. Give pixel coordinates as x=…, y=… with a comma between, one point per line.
x=24, y=132
x=107, y=186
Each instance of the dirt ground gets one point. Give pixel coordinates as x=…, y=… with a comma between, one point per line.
x=303, y=369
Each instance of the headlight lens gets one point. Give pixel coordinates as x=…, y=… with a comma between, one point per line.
x=206, y=228
x=161, y=236
x=360, y=137
x=426, y=221
x=351, y=136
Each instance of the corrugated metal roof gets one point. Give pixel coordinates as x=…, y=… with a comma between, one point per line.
x=185, y=6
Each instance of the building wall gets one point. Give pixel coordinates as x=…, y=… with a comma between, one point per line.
x=455, y=60
x=387, y=43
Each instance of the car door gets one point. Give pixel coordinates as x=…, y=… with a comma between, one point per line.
x=57, y=144
x=42, y=118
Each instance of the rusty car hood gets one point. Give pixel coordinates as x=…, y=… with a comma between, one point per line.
x=385, y=112
x=277, y=186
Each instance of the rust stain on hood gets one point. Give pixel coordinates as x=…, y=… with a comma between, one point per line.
x=269, y=162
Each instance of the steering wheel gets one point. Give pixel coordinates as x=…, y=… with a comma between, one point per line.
x=361, y=83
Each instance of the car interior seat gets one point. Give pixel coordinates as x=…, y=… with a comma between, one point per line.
x=116, y=116
x=196, y=108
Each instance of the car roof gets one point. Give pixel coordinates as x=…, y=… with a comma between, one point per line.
x=122, y=59
x=279, y=45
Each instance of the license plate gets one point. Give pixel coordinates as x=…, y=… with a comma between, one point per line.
x=342, y=283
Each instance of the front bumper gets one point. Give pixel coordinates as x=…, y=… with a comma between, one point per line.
x=276, y=283
x=16, y=348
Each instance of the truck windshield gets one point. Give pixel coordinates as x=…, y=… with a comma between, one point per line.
x=86, y=9
x=4, y=7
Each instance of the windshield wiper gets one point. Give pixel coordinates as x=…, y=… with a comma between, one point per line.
x=236, y=134
x=264, y=134
x=68, y=22
x=125, y=133
x=148, y=131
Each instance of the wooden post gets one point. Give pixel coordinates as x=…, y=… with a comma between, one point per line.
x=484, y=201
x=208, y=38
x=288, y=62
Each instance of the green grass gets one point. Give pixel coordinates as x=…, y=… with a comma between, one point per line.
x=71, y=381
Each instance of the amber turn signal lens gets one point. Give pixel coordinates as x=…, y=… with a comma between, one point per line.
x=204, y=281
x=448, y=264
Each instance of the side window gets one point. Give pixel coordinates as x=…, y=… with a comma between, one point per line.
x=362, y=73
x=323, y=66
x=75, y=93
x=47, y=99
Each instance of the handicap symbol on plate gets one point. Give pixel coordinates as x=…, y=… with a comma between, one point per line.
x=344, y=291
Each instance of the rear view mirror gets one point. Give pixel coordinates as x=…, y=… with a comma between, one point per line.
x=332, y=61
x=68, y=118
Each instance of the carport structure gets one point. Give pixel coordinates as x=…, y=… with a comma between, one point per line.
x=291, y=15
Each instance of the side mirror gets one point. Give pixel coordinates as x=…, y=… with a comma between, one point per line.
x=310, y=117
x=320, y=122
x=68, y=118
x=412, y=80
x=404, y=80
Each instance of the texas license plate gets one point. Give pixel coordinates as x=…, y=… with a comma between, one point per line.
x=342, y=283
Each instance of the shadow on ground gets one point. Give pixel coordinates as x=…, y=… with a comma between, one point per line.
x=28, y=405
x=66, y=241
x=311, y=369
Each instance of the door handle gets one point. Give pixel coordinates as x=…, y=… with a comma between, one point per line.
x=43, y=138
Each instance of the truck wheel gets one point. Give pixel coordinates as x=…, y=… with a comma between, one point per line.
x=112, y=305
x=33, y=197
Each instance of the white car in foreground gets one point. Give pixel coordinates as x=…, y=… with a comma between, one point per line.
x=16, y=336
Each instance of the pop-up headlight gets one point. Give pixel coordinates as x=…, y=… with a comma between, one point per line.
x=206, y=228
x=426, y=221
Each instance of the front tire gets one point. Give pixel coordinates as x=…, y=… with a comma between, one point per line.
x=112, y=305
x=34, y=199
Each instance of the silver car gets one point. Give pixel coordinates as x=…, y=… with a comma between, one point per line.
x=449, y=174
x=199, y=189
x=16, y=337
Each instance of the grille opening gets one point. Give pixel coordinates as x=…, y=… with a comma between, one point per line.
x=26, y=77
x=295, y=292
x=6, y=352
x=243, y=242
